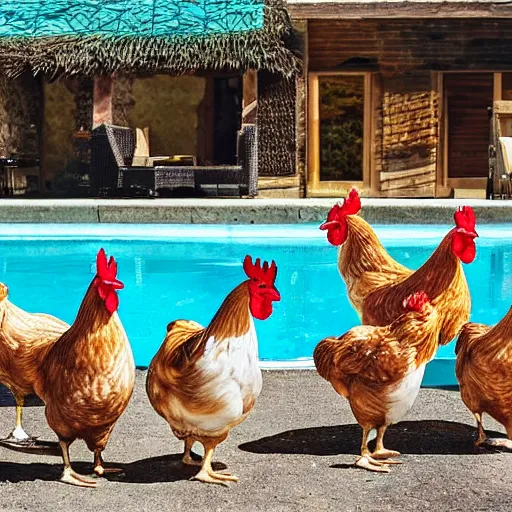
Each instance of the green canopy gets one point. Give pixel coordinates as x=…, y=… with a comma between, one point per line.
x=174, y=36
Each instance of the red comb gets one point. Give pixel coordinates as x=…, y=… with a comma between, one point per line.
x=416, y=301
x=465, y=218
x=351, y=205
x=267, y=273
x=106, y=271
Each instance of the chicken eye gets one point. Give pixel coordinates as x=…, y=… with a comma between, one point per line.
x=262, y=285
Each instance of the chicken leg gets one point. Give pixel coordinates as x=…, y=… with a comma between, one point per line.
x=69, y=476
x=206, y=474
x=491, y=442
x=99, y=467
x=18, y=435
x=366, y=461
x=382, y=453
x=187, y=454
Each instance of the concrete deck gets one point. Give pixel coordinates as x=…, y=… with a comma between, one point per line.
x=293, y=453
x=241, y=211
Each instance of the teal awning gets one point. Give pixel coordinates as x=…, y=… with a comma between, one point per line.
x=47, y=18
x=171, y=36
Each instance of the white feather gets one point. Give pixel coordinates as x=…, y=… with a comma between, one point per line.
x=403, y=395
x=230, y=373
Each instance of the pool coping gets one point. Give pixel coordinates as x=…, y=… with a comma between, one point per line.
x=241, y=211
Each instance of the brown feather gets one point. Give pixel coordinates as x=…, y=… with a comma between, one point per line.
x=443, y=280
x=87, y=378
x=484, y=369
x=364, y=363
x=364, y=263
x=25, y=338
x=174, y=372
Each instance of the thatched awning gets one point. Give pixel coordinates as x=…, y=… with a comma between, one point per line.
x=91, y=37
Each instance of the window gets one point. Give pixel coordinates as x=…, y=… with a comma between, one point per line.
x=339, y=126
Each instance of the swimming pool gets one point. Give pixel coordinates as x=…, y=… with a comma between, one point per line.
x=178, y=271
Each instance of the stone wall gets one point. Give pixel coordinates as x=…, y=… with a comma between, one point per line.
x=20, y=115
x=276, y=125
x=167, y=105
x=59, y=126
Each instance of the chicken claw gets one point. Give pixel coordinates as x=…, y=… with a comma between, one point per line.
x=366, y=462
x=499, y=443
x=215, y=478
x=71, y=477
x=100, y=469
x=384, y=454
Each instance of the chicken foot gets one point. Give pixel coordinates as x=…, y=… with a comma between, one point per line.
x=487, y=442
x=366, y=461
x=19, y=435
x=69, y=476
x=206, y=474
x=187, y=454
x=380, y=452
x=99, y=468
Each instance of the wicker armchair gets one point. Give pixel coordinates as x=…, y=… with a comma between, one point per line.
x=112, y=151
x=112, y=148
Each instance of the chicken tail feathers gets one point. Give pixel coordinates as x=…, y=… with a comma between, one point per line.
x=323, y=357
x=183, y=342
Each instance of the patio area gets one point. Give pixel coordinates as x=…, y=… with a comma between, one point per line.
x=294, y=451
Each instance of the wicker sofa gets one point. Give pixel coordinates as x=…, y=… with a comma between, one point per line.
x=112, y=149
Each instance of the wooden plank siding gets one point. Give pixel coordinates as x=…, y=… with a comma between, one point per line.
x=467, y=97
x=405, y=45
x=407, y=57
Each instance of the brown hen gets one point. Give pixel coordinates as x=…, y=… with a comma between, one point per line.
x=441, y=277
x=484, y=372
x=379, y=370
x=87, y=377
x=25, y=338
x=204, y=381
x=363, y=262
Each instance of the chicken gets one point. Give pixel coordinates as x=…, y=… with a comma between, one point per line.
x=87, y=377
x=441, y=277
x=25, y=338
x=363, y=262
x=484, y=372
x=204, y=381
x=379, y=370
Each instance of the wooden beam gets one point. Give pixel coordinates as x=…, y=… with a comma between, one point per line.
x=250, y=97
x=376, y=134
x=398, y=9
x=102, y=100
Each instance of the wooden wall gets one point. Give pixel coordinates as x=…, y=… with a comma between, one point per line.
x=406, y=45
x=408, y=136
x=403, y=56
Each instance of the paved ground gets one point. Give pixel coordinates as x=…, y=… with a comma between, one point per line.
x=294, y=452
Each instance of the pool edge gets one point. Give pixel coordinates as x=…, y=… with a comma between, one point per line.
x=241, y=211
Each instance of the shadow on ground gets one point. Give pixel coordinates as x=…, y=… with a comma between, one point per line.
x=165, y=468
x=408, y=437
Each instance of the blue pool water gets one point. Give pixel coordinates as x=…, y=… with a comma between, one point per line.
x=174, y=272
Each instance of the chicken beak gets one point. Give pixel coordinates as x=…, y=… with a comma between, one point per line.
x=115, y=283
x=329, y=224
x=274, y=295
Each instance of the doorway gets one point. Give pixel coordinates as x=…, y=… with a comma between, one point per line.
x=467, y=97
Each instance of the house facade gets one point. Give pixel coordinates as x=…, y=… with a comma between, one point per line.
x=188, y=74
x=396, y=97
